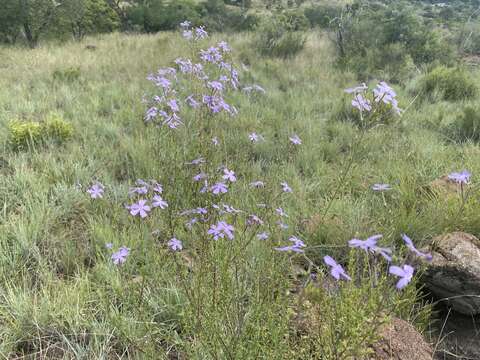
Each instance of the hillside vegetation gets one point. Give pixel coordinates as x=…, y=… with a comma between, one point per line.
x=206, y=212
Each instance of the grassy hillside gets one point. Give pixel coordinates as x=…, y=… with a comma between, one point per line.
x=63, y=297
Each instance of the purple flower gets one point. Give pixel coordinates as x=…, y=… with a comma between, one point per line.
x=200, y=33
x=219, y=188
x=174, y=244
x=157, y=188
x=257, y=184
x=222, y=45
x=229, y=175
x=141, y=208
x=109, y=245
x=96, y=191
x=357, y=89
x=254, y=137
x=197, y=161
x=381, y=187
x=190, y=100
x=295, y=140
x=282, y=225
x=199, y=177
x=280, y=212
x=173, y=105
x=201, y=211
x=262, y=236
x=230, y=209
x=220, y=230
x=121, y=255
x=186, y=24
x=254, y=220
x=296, y=247
x=286, y=188
x=360, y=103
x=386, y=94
x=413, y=249
x=142, y=190
x=215, y=85
x=211, y=55
x=405, y=274
x=215, y=141
x=367, y=245
x=159, y=202
x=336, y=270
x=460, y=177
x=386, y=253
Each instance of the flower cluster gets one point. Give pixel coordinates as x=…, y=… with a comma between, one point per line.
x=142, y=190
x=405, y=273
x=382, y=93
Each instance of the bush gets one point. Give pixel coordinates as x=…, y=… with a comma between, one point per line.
x=322, y=15
x=467, y=127
x=278, y=37
x=24, y=134
x=451, y=84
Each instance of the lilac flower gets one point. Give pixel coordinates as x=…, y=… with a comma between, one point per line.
x=173, y=105
x=405, y=274
x=186, y=24
x=222, y=45
x=280, y=212
x=157, y=188
x=199, y=177
x=381, y=187
x=254, y=220
x=142, y=190
x=190, y=100
x=360, y=103
x=262, y=236
x=185, y=65
x=385, y=93
x=386, y=253
x=357, y=89
x=215, y=141
x=109, y=245
x=215, y=85
x=219, y=188
x=159, y=202
x=200, y=33
x=367, y=245
x=163, y=82
x=216, y=104
x=201, y=211
x=282, y=225
x=96, y=191
x=295, y=140
x=413, y=249
x=254, y=137
x=296, y=247
x=141, y=208
x=211, y=55
x=151, y=114
x=257, y=184
x=197, y=161
x=174, y=244
x=121, y=255
x=286, y=188
x=220, y=230
x=460, y=177
x=229, y=175
x=336, y=270
x=230, y=209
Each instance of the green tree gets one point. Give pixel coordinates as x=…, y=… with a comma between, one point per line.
x=10, y=21
x=82, y=17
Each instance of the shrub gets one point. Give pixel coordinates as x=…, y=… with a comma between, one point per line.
x=70, y=74
x=467, y=126
x=27, y=133
x=451, y=84
x=322, y=15
x=280, y=38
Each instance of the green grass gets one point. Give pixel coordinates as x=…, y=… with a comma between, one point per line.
x=61, y=297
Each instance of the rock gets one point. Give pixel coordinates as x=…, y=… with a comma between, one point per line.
x=401, y=341
x=454, y=272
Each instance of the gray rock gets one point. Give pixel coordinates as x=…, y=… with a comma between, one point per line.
x=454, y=272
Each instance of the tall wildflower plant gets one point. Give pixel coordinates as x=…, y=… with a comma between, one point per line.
x=222, y=246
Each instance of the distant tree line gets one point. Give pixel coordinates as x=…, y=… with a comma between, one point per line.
x=33, y=20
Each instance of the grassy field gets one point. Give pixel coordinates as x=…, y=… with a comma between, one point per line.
x=63, y=297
